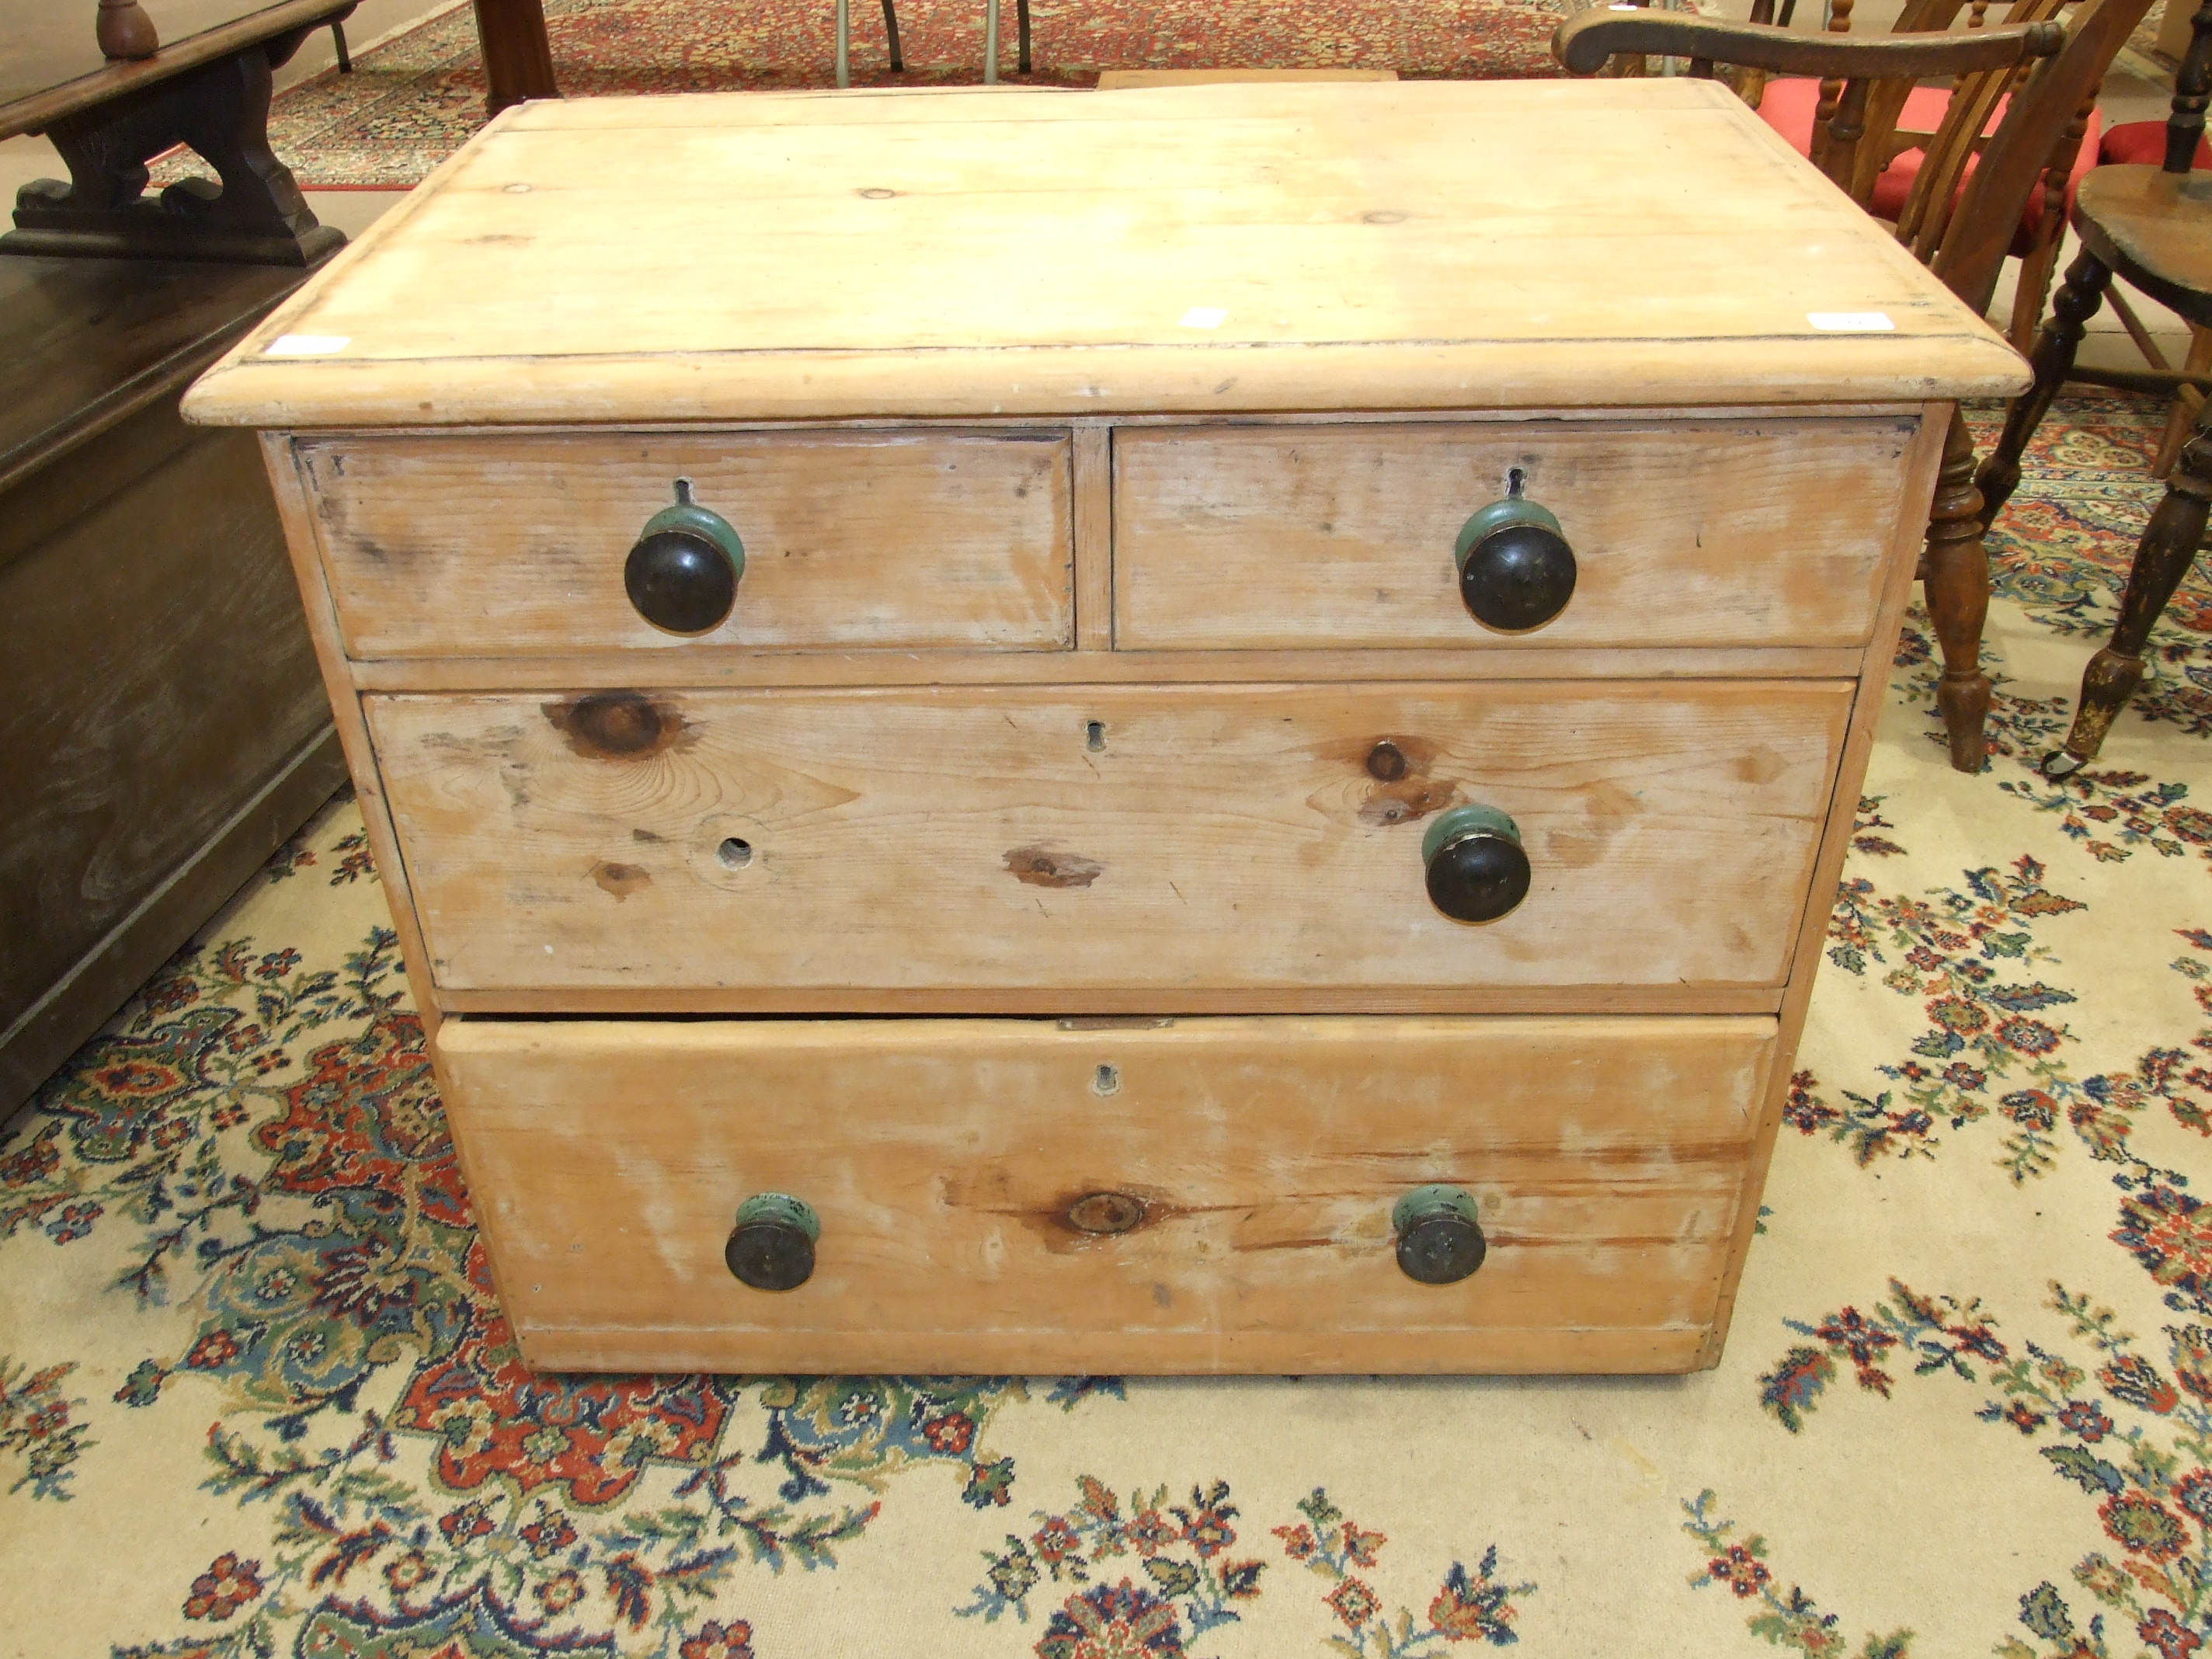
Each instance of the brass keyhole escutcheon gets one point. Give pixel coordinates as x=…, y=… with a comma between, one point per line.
x=1105, y=1212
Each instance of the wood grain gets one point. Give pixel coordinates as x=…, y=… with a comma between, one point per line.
x=1093, y=478
x=707, y=666
x=295, y=512
x=516, y=542
x=1402, y=245
x=1922, y=467
x=1262, y=537
x=1136, y=838
x=1606, y=1158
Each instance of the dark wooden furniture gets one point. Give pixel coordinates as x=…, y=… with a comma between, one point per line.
x=110, y=117
x=517, y=59
x=2153, y=226
x=162, y=726
x=1959, y=224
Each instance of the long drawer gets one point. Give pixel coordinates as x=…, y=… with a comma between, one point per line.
x=517, y=544
x=1690, y=533
x=1215, y=1196
x=1112, y=848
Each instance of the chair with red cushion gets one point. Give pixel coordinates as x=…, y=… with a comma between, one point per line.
x=1960, y=226
x=1904, y=122
x=2151, y=225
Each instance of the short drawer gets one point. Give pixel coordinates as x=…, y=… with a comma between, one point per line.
x=1242, y=1176
x=1154, y=845
x=1692, y=533
x=506, y=545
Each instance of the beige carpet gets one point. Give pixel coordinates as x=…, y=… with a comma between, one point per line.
x=255, y=1398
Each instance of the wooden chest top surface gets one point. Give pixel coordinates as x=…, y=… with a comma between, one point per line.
x=1231, y=248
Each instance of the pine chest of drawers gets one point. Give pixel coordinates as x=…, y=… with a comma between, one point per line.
x=1182, y=730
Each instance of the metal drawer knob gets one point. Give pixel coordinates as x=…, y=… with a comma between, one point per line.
x=682, y=574
x=1439, y=1241
x=772, y=1246
x=1477, y=869
x=1516, y=570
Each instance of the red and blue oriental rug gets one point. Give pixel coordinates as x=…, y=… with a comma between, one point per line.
x=256, y=1397
x=411, y=102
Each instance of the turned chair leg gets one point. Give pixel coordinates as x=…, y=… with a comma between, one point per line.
x=2071, y=308
x=2162, y=559
x=1956, y=572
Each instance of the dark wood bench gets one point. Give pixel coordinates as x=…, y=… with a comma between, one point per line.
x=163, y=727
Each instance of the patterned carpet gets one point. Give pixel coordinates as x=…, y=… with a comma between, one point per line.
x=410, y=103
x=255, y=1397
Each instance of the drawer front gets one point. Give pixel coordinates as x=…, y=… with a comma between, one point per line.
x=945, y=1160
x=505, y=545
x=1703, y=533
x=788, y=847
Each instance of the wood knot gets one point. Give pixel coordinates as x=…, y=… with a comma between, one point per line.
x=616, y=725
x=1039, y=866
x=1387, y=761
x=1105, y=1212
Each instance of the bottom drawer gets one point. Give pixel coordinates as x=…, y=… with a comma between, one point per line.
x=969, y=1178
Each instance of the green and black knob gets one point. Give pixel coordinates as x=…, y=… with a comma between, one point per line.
x=1516, y=570
x=683, y=574
x=1477, y=870
x=772, y=1246
x=1439, y=1240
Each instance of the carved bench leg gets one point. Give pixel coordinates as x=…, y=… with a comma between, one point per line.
x=2071, y=308
x=2162, y=559
x=1956, y=572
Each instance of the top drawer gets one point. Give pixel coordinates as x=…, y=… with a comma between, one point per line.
x=1692, y=533
x=514, y=544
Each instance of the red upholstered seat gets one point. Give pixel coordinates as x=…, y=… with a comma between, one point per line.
x=2142, y=143
x=1789, y=107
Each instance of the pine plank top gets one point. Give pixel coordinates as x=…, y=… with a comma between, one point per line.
x=1004, y=252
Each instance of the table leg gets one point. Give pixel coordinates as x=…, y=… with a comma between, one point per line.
x=518, y=60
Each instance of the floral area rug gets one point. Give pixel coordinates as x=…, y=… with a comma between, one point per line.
x=411, y=102
x=256, y=1397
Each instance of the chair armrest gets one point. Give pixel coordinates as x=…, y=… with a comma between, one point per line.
x=1585, y=41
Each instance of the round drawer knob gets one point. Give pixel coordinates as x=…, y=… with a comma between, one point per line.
x=772, y=1246
x=682, y=574
x=1516, y=570
x=1439, y=1241
x=1477, y=869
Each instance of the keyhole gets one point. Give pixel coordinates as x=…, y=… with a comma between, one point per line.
x=1106, y=1080
x=1516, y=481
x=684, y=492
x=1094, y=735
x=734, y=853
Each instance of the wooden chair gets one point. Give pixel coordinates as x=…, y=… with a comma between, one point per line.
x=1907, y=124
x=1959, y=222
x=2143, y=142
x=2151, y=225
